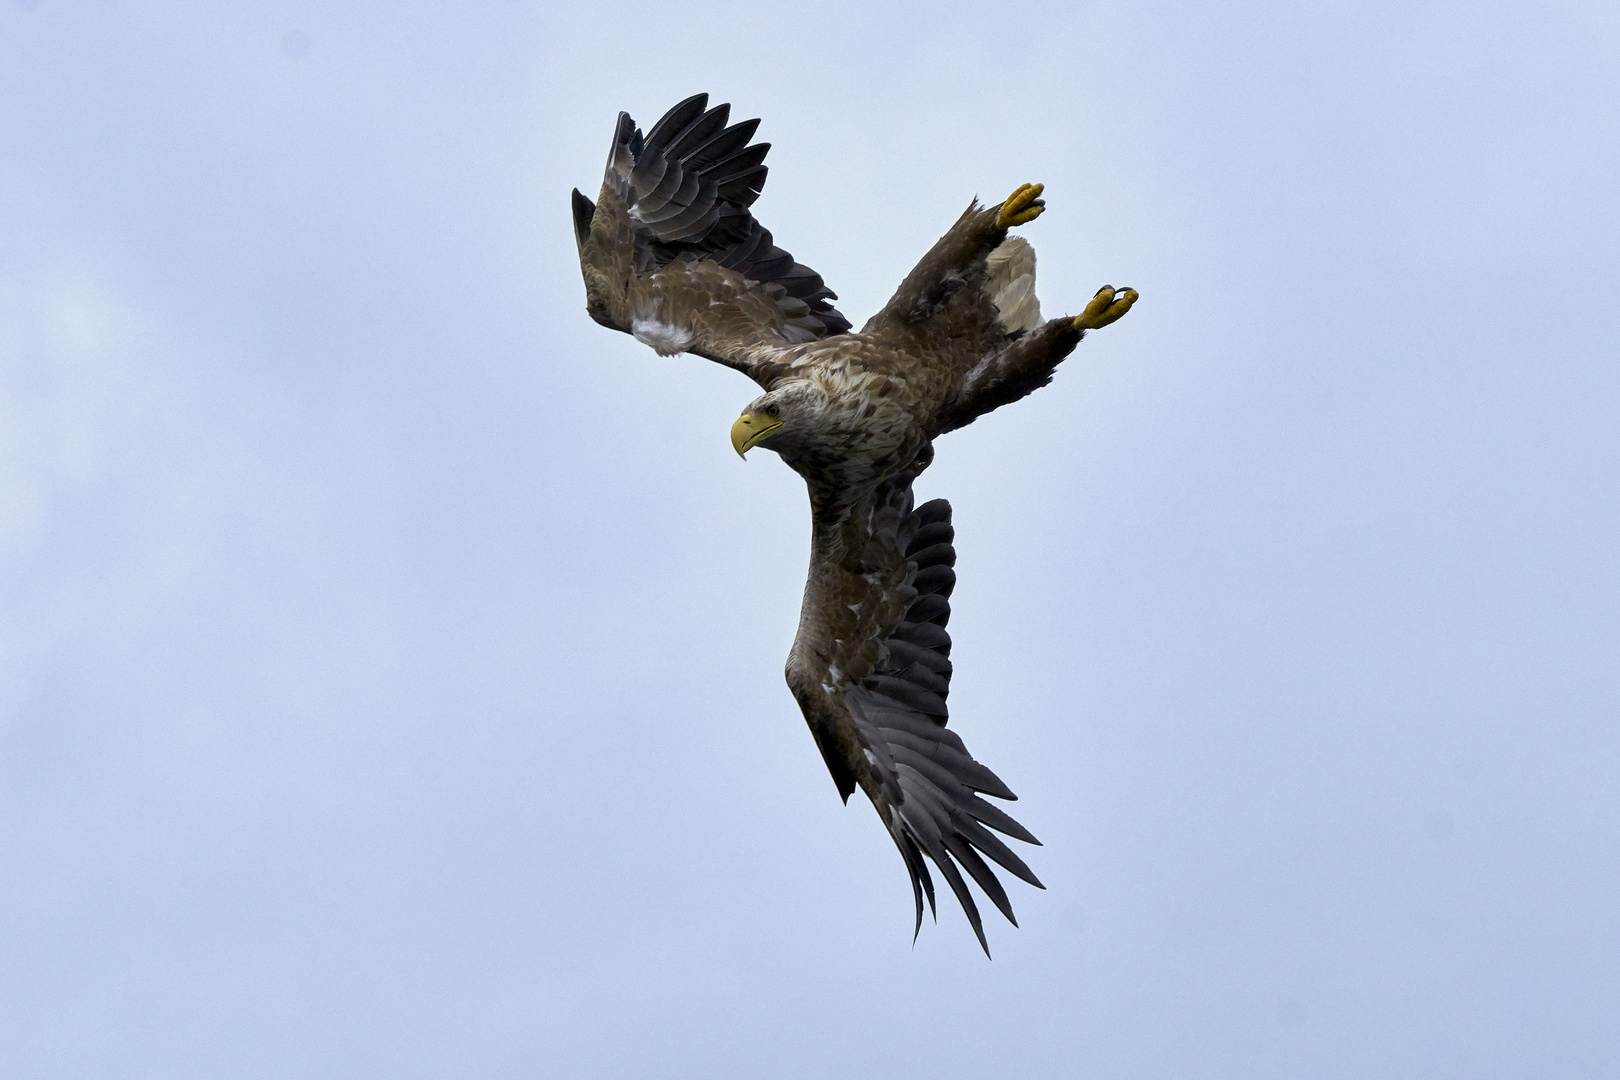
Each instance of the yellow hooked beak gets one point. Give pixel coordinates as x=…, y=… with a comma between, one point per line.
x=750, y=429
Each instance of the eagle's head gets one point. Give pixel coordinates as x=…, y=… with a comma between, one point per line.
x=786, y=419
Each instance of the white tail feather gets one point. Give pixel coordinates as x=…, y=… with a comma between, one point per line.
x=1012, y=284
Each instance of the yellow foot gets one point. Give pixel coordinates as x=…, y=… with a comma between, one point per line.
x=1105, y=307
x=1022, y=206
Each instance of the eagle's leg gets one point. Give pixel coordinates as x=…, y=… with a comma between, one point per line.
x=1021, y=368
x=1107, y=306
x=956, y=263
x=1021, y=207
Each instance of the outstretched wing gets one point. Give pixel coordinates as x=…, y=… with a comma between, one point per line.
x=871, y=670
x=672, y=255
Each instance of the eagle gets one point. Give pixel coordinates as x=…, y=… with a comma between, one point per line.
x=672, y=254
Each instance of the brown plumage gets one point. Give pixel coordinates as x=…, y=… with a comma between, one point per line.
x=672, y=255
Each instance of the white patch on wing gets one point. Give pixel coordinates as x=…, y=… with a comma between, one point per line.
x=1011, y=285
x=663, y=338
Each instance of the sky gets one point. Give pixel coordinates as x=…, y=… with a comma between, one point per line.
x=390, y=657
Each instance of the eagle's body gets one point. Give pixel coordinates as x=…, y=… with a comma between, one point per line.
x=671, y=254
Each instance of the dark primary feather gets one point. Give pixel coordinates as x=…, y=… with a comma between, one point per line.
x=888, y=731
x=688, y=184
x=584, y=210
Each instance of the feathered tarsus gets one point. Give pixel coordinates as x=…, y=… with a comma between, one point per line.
x=672, y=254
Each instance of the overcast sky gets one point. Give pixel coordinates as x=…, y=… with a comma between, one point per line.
x=390, y=666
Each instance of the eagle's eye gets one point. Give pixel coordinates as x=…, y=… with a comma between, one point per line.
x=773, y=410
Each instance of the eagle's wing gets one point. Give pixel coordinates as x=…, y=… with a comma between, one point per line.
x=871, y=669
x=671, y=254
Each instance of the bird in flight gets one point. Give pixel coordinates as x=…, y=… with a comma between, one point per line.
x=672, y=255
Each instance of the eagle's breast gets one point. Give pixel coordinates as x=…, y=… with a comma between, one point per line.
x=868, y=427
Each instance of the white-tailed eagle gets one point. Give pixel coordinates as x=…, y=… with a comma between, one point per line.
x=672, y=255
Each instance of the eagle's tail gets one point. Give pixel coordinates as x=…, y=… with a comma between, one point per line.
x=1011, y=285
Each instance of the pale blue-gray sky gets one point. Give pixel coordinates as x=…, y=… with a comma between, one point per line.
x=377, y=701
